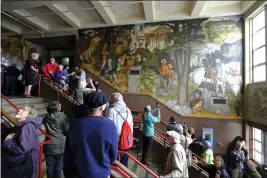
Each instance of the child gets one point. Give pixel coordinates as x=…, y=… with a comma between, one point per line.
x=238, y=158
x=208, y=153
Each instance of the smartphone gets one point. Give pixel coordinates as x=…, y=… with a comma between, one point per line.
x=157, y=105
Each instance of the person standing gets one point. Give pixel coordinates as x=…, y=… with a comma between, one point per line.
x=176, y=165
x=50, y=68
x=56, y=125
x=21, y=148
x=80, y=93
x=30, y=72
x=12, y=74
x=92, y=142
x=61, y=77
x=120, y=113
x=148, y=131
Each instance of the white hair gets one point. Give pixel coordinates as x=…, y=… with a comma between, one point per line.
x=176, y=136
x=148, y=108
x=117, y=97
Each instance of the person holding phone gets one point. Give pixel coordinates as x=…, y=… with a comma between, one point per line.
x=150, y=117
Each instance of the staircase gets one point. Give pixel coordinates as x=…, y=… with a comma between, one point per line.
x=39, y=105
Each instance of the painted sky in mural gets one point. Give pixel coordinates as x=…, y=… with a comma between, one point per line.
x=193, y=66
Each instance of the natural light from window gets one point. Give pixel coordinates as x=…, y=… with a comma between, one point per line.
x=257, y=145
x=258, y=52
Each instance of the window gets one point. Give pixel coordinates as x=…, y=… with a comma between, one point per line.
x=258, y=48
x=259, y=143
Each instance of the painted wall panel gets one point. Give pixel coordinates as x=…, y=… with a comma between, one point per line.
x=192, y=66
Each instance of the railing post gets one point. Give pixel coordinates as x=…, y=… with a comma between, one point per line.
x=58, y=95
x=39, y=87
x=40, y=169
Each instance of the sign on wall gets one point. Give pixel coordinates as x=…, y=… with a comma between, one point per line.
x=207, y=134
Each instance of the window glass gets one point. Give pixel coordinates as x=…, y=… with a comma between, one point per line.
x=257, y=134
x=257, y=146
x=259, y=73
x=258, y=39
x=259, y=56
x=259, y=21
x=257, y=156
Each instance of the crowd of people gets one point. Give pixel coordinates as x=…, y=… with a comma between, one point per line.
x=103, y=129
x=28, y=75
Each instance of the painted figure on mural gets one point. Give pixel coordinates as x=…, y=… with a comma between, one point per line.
x=113, y=68
x=170, y=75
x=220, y=78
x=104, y=55
x=83, y=47
x=164, y=72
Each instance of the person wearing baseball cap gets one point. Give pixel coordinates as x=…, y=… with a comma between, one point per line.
x=92, y=142
x=176, y=165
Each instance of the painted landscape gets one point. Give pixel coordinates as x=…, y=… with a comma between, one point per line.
x=193, y=66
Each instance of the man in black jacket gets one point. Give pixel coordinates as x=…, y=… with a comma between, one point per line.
x=12, y=74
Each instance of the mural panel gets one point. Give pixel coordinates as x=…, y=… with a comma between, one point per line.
x=193, y=66
x=15, y=50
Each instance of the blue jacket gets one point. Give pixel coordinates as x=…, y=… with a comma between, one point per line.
x=26, y=139
x=148, y=123
x=91, y=148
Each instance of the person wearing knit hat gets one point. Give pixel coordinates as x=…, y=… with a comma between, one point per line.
x=176, y=165
x=92, y=141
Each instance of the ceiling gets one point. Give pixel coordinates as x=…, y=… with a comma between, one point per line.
x=54, y=18
x=59, y=42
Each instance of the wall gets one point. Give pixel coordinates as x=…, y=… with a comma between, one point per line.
x=192, y=66
x=62, y=53
x=17, y=51
x=225, y=130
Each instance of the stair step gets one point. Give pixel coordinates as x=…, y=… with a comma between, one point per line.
x=22, y=101
x=38, y=106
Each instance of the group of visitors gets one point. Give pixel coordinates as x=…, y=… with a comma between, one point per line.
x=103, y=129
x=28, y=75
x=85, y=148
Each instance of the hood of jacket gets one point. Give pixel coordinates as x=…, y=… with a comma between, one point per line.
x=37, y=121
x=120, y=106
x=52, y=117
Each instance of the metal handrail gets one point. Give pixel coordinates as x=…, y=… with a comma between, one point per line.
x=137, y=120
x=137, y=162
x=41, y=144
x=10, y=102
x=120, y=171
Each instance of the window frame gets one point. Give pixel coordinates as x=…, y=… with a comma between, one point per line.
x=263, y=145
x=251, y=50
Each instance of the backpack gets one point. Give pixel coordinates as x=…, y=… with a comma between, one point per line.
x=126, y=138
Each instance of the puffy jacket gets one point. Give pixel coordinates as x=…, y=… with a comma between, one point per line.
x=26, y=139
x=50, y=68
x=56, y=125
x=113, y=114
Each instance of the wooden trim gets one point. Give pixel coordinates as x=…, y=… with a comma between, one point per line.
x=9, y=118
x=250, y=142
x=256, y=125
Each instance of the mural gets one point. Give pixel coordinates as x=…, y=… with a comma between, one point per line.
x=15, y=50
x=193, y=66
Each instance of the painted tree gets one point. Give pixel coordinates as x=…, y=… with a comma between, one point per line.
x=184, y=35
